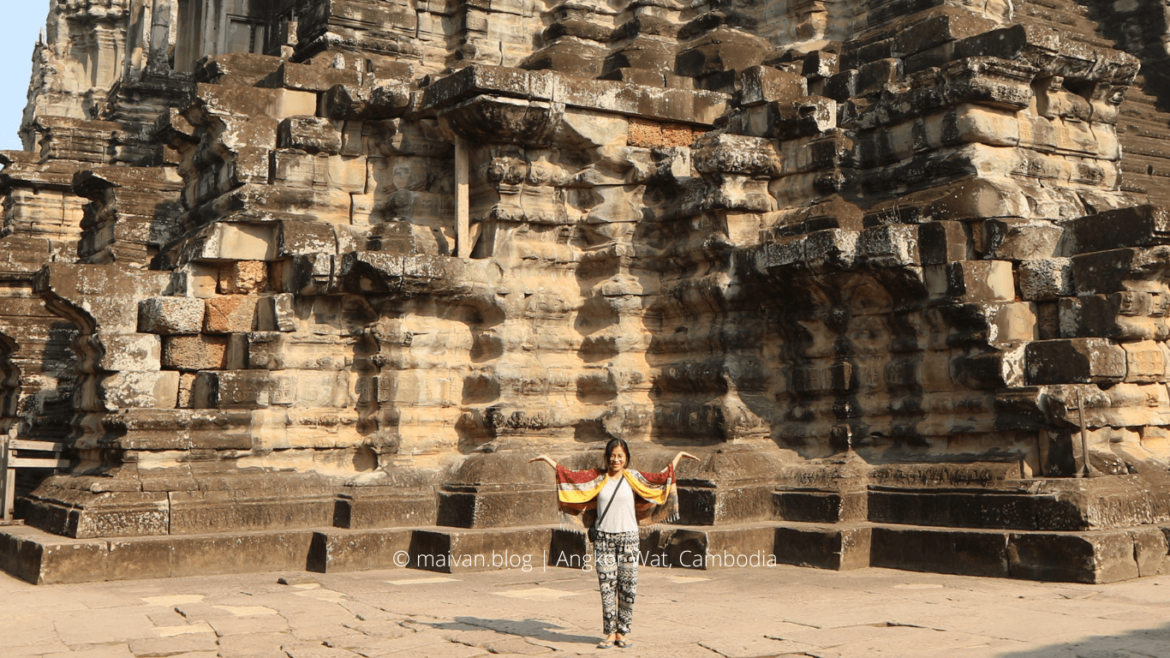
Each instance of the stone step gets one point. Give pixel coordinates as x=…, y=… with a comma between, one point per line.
x=1029, y=505
x=1091, y=556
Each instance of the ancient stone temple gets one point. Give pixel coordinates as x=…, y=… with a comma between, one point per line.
x=306, y=283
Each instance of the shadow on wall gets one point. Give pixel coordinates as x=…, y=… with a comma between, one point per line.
x=1141, y=643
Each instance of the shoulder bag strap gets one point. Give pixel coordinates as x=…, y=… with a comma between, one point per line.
x=611, y=499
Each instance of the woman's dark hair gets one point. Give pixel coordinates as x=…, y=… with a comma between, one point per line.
x=617, y=443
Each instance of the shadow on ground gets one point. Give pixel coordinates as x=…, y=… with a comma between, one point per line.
x=1145, y=643
x=529, y=628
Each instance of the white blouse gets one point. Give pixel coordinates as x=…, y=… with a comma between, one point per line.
x=621, y=516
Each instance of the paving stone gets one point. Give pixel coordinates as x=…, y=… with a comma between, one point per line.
x=90, y=651
x=106, y=625
x=172, y=644
x=753, y=647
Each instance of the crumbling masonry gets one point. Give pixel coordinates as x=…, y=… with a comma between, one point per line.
x=305, y=283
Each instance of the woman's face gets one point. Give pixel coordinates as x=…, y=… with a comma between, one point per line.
x=617, y=459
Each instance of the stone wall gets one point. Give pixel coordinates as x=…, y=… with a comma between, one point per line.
x=869, y=259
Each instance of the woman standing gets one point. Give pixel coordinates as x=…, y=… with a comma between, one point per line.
x=613, y=501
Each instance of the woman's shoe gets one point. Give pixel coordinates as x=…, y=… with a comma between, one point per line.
x=624, y=644
x=605, y=644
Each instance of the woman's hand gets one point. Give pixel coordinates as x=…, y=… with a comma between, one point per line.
x=544, y=458
x=681, y=455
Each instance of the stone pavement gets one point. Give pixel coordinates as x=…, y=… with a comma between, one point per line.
x=736, y=613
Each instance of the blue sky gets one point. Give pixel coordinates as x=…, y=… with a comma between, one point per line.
x=22, y=21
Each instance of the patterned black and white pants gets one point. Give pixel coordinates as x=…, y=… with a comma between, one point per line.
x=616, y=557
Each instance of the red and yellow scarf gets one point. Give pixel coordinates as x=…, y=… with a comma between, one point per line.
x=655, y=494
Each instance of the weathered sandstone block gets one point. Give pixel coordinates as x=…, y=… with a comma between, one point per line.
x=231, y=314
x=170, y=315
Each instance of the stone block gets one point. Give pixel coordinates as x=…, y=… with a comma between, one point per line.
x=728, y=504
x=350, y=102
x=238, y=241
x=890, y=246
x=243, y=277
x=1135, y=226
x=942, y=550
x=1150, y=551
x=201, y=352
x=304, y=238
x=736, y=154
x=246, y=389
x=129, y=352
x=569, y=548
x=942, y=242
x=840, y=548
x=276, y=313
x=819, y=64
x=1123, y=316
x=41, y=558
x=494, y=509
x=336, y=551
x=764, y=84
x=1117, y=270
x=170, y=316
x=1045, y=279
x=132, y=390
x=186, y=385
x=939, y=26
x=1075, y=361
x=232, y=314
x=973, y=281
x=1097, y=557
x=196, y=280
x=980, y=199
x=1146, y=362
x=310, y=388
x=271, y=350
x=1019, y=239
x=276, y=104
x=310, y=77
x=1012, y=322
x=386, y=507
x=820, y=506
x=333, y=173
x=873, y=76
x=458, y=551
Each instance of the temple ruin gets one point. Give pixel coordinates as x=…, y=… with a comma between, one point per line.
x=306, y=283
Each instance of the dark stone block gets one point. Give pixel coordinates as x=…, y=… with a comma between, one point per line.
x=472, y=508
x=1072, y=361
x=385, y=507
x=941, y=551
x=569, y=547
x=942, y=242
x=1103, y=557
x=716, y=548
x=359, y=550
x=1135, y=226
x=821, y=506
x=834, y=547
x=725, y=504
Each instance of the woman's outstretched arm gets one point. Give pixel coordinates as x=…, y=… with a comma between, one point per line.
x=680, y=455
x=544, y=458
